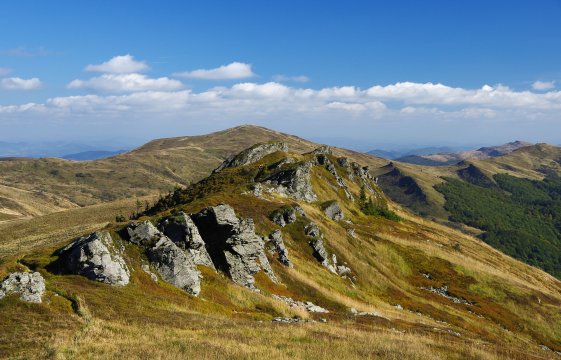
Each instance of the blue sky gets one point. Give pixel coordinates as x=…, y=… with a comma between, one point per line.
x=399, y=72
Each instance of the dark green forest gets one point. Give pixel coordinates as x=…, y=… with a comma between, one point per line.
x=520, y=217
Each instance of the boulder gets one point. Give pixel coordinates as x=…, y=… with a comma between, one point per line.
x=333, y=210
x=29, y=286
x=174, y=266
x=252, y=155
x=184, y=233
x=144, y=233
x=282, y=251
x=294, y=182
x=233, y=245
x=285, y=215
x=320, y=253
x=96, y=257
x=312, y=230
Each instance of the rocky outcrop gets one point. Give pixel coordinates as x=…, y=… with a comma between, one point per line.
x=322, y=255
x=294, y=182
x=174, y=266
x=312, y=230
x=323, y=160
x=308, y=305
x=96, y=257
x=443, y=291
x=333, y=210
x=29, y=286
x=252, y=155
x=184, y=233
x=144, y=233
x=233, y=245
x=276, y=238
x=286, y=214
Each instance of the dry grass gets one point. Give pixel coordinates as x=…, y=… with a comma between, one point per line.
x=157, y=321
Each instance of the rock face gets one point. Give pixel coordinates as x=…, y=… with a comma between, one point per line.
x=143, y=234
x=282, y=251
x=286, y=215
x=233, y=245
x=96, y=257
x=322, y=255
x=174, y=264
x=253, y=154
x=333, y=210
x=184, y=233
x=294, y=182
x=30, y=286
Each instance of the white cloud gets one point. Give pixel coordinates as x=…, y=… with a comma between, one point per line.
x=16, y=83
x=297, y=79
x=543, y=85
x=235, y=70
x=4, y=70
x=126, y=83
x=123, y=64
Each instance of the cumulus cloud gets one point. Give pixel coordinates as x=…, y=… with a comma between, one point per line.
x=16, y=83
x=235, y=70
x=123, y=64
x=4, y=70
x=285, y=78
x=126, y=83
x=543, y=85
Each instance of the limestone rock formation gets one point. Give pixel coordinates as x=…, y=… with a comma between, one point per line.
x=253, y=154
x=286, y=215
x=184, y=233
x=333, y=210
x=282, y=251
x=308, y=305
x=294, y=182
x=233, y=245
x=30, y=286
x=174, y=266
x=144, y=233
x=322, y=255
x=96, y=257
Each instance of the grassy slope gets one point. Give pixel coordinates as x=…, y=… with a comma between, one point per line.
x=516, y=306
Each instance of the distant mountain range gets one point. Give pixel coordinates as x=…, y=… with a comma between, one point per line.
x=443, y=158
x=395, y=154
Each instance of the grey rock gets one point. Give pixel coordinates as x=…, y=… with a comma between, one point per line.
x=320, y=252
x=322, y=150
x=308, y=305
x=144, y=233
x=294, y=182
x=257, y=189
x=299, y=210
x=282, y=251
x=333, y=211
x=174, y=266
x=146, y=269
x=443, y=291
x=278, y=218
x=233, y=245
x=96, y=257
x=184, y=233
x=252, y=155
x=285, y=215
x=312, y=230
x=29, y=286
